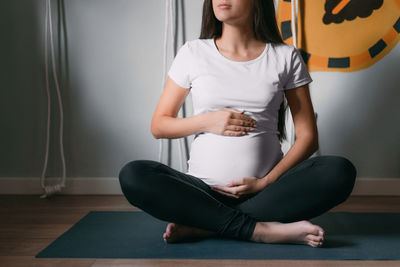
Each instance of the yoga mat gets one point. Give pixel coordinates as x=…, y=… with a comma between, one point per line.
x=136, y=234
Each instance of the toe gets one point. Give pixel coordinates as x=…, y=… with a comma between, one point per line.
x=168, y=229
x=321, y=232
x=173, y=227
x=318, y=231
x=313, y=243
x=315, y=238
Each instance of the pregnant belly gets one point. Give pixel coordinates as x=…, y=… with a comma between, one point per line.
x=218, y=159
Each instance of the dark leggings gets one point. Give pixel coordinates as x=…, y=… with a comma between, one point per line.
x=307, y=190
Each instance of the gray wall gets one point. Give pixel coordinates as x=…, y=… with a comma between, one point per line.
x=110, y=72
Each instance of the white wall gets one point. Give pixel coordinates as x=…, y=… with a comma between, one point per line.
x=110, y=72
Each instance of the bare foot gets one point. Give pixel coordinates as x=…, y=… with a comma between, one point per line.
x=301, y=232
x=178, y=232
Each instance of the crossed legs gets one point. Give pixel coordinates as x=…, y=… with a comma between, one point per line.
x=276, y=214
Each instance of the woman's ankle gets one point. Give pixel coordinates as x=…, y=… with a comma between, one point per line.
x=258, y=232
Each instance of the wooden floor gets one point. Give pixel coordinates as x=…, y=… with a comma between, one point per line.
x=28, y=224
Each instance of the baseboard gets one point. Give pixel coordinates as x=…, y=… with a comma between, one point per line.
x=111, y=186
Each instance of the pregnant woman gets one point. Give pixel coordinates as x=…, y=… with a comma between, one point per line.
x=238, y=184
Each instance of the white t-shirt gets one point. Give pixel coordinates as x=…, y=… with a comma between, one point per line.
x=255, y=86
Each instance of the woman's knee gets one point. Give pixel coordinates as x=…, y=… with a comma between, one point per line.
x=133, y=173
x=342, y=175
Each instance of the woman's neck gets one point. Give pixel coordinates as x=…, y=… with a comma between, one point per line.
x=237, y=39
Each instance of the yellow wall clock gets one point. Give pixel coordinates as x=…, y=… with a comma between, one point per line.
x=341, y=35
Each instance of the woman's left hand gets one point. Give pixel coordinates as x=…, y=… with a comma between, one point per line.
x=239, y=187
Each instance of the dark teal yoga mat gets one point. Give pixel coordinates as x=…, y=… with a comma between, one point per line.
x=130, y=234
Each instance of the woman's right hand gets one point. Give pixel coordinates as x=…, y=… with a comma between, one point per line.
x=229, y=121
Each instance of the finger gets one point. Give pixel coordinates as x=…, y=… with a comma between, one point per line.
x=224, y=189
x=241, y=116
x=236, y=128
x=236, y=190
x=236, y=182
x=240, y=189
x=234, y=133
x=225, y=193
x=218, y=187
x=239, y=122
x=245, y=117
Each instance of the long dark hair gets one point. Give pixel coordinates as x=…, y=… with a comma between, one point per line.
x=265, y=29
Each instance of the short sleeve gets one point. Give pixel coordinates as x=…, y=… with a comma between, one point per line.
x=181, y=66
x=297, y=74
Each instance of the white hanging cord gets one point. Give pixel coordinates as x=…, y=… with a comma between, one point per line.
x=174, y=37
x=170, y=20
x=180, y=140
x=174, y=42
x=180, y=145
x=52, y=189
x=172, y=23
x=167, y=3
